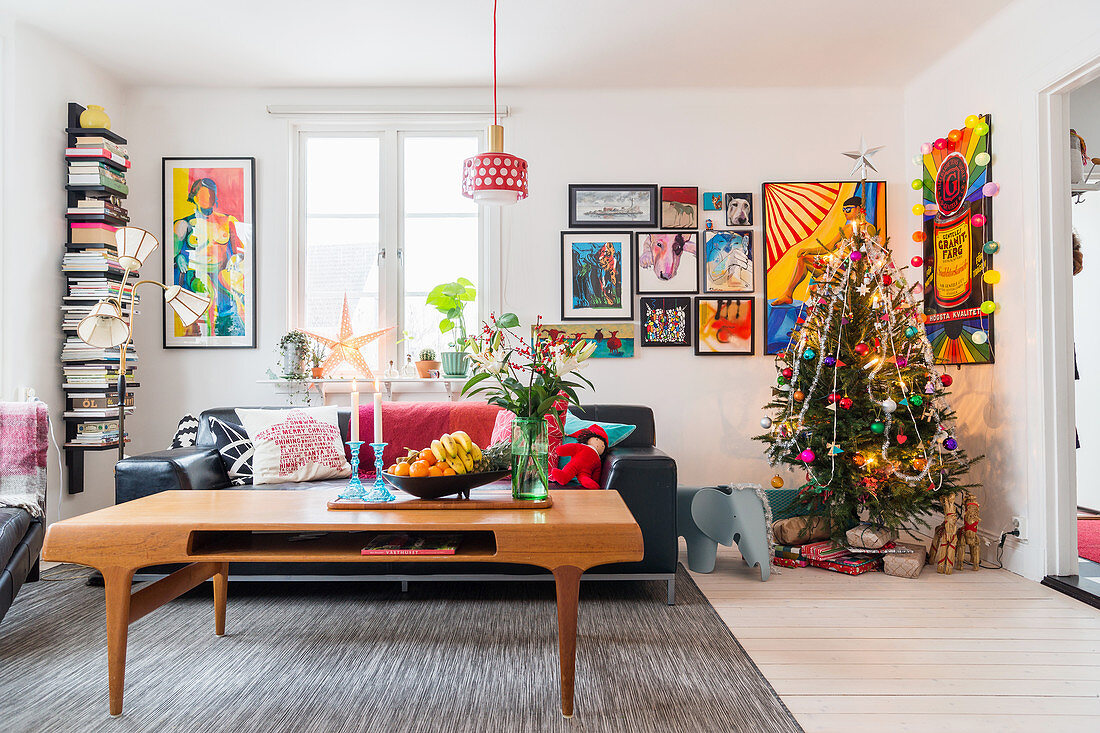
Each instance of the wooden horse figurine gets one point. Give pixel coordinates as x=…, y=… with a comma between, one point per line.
x=945, y=541
x=968, y=533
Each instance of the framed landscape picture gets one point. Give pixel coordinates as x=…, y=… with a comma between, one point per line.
x=727, y=261
x=679, y=207
x=596, y=277
x=665, y=321
x=667, y=263
x=612, y=205
x=724, y=326
x=209, y=214
x=739, y=209
x=613, y=340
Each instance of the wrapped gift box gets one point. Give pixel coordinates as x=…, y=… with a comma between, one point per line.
x=786, y=562
x=790, y=552
x=851, y=564
x=905, y=566
x=825, y=550
x=869, y=537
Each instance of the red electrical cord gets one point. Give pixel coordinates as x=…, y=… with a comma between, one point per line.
x=495, y=62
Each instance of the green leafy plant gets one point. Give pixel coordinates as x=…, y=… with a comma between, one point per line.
x=427, y=355
x=293, y=348
x=317, y=354
x=450, y=299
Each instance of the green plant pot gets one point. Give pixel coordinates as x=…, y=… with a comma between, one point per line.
x=455, y=363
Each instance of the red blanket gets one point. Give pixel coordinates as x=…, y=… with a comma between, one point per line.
x=416, y=424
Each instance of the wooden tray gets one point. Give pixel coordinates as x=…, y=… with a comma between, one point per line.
x=488, y=498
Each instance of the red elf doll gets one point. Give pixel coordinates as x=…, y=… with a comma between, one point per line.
x=585, y=458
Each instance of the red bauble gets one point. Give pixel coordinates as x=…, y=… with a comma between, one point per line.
x=886, y=280
x=946, y=380
x=845, y=403
x=833, y=397
x=787, y=372
x=861, y=349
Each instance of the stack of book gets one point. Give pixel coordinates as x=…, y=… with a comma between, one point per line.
x=97, y=174
x=108, y=206
x=96, y=432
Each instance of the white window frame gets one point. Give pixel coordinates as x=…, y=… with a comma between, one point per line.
x=391, y=134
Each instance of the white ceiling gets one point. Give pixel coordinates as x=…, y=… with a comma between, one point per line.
x=545, y=43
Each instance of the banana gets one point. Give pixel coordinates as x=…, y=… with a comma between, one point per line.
x=467, y=460
x=458, y=466
x=475, y=451
x=462, y=439
x=450, y=444
x=439, y=451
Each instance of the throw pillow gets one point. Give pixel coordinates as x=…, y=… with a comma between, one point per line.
x=235, y=449
x=186, y=432
x=616, y=432
x=300, y=444
x=502, y=431
x=502, y=427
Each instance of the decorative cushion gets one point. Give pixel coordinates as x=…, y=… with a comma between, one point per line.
x=300, y=444
x=616, y=432
x=186, y=432
x=502, y=427
x=235, y=449
x=502, y=430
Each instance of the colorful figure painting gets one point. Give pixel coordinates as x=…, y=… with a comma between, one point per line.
x=680, y=207
x=712, y=201
x=209, y=213
x=724, y=326
x=956, y=225
x=667, y=262
x=613, y=340
x=804, y=222
x=739, y=209
x=727, y=267
x=596, y=275
x=666, y=321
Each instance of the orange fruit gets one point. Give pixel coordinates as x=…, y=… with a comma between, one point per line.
x=401, y=469
x=435, y=471
x=392, y=469
x=419, y=469
x=448, y=471
x=427, y=456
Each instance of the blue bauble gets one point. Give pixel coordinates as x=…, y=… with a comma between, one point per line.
x=809, y=354
x=910, y=332
x=829, y=361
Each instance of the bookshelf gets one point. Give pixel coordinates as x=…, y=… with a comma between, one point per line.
x=96, y=163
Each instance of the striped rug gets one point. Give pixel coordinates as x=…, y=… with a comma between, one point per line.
x=334, y=658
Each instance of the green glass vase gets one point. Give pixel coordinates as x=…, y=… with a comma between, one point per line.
x=530, y=459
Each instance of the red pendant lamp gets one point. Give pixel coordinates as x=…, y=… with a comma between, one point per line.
x=495, y=177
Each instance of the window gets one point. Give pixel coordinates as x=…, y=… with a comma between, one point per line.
x=382, y=220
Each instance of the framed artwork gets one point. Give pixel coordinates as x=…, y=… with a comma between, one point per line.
x=596, y=276
x=613, y=340
x=739, y=209
x=727, y=261
x=665, y=321
x=209, y=215
x=957, y=223
x=803, y=221
x=712, y=201
x=724, y=326
x=612, y=205
x=667, y=263
x=679, y=207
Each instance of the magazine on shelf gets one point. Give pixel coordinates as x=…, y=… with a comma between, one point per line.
x=406, y=543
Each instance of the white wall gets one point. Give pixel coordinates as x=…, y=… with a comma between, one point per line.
x=706, y=408
x=1000, y=70
x=1084, y=110
x=40, y=77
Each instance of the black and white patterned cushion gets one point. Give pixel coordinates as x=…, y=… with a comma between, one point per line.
x=186, y=432
x=235, y=448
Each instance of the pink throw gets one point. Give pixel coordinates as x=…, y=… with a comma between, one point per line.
x=24, y=440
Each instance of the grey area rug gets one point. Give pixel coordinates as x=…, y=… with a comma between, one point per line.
x=329, y=658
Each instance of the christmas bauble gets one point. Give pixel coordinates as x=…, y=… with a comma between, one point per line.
x=845, y=403
x=858, y=459
x=799, y=395
x=833, y=397
x=829, y=361
x=919, y=464
x=946, y=380
x=777, y=481
x=878, y=428
x=765, y=422
x=861, y=349
x=902, y=439
x=910, y=332
x=917, y=261
x=809, y=354
x=950, y=444
x=781, y=380
x=787, y=372
x=888, y=405
x=856, y=256
x=901, y=361
x=886, y=280
x=807, y=456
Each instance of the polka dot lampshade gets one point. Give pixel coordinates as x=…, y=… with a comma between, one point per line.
x=495, y=177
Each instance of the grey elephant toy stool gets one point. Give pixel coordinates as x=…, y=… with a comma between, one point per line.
x=711, y=515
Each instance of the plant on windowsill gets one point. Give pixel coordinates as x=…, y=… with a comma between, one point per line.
x=293, y=350
x=450, y=299
x=317, y=355
x=427, y=363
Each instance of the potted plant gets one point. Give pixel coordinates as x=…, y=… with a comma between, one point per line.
x=530, y=381
x=317, y=354
x=293, y=350
x=450, y=299
x=426, y=363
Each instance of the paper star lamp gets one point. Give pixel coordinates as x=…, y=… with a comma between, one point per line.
x=345, y=349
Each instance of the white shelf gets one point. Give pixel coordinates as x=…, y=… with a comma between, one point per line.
x=447, y=383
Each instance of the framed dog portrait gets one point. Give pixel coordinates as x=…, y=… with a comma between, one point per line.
x=725, y=326
x=597, y=281
x=665, y=321
x=667, y=263
x=679, y=207
x=739, y=209
x=727, y=261
x=612, y=205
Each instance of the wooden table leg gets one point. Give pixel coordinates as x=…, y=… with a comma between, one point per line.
x=221, y=587
x=116, y=585
x=568, y=583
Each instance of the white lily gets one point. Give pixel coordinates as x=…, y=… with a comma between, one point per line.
x=584, y=350
x=489, y=360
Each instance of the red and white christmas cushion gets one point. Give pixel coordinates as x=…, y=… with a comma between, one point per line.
x=300, y=444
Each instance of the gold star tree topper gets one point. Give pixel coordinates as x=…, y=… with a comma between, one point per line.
x=346, y=347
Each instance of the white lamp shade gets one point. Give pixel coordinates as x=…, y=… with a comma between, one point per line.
x=103, y=327
x=188, y=306
x=134, y=246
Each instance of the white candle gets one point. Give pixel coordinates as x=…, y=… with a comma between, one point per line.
x=354, y=410
x=377, y=413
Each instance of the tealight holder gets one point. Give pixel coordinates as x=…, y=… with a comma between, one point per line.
x=354, y=490
x=378, y=492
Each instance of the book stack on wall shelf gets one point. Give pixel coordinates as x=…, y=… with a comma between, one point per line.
x=97, y=163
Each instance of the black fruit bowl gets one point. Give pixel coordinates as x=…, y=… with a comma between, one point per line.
x=435, y=487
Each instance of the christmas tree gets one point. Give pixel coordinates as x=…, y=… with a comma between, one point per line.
x=859, y=403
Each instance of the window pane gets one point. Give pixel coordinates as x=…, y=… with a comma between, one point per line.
x=437, y=250
x=342, y=175
x=433, y=174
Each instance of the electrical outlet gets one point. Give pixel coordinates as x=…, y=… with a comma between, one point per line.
x=1020, y=524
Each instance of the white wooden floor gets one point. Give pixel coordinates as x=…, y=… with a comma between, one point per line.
x=984, y=651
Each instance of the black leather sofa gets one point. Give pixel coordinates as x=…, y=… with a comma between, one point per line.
x=636, y=468
x=20, y=546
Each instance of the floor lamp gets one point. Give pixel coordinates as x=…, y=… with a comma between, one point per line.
x=105, y=328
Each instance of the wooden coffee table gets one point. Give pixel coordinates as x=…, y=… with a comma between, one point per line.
x=210, y=529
